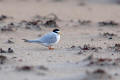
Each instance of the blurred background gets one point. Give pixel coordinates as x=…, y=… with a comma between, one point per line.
x=24, y=9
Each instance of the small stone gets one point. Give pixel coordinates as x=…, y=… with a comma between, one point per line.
x=9, y=41
x=80, y=52
x=10, y=50
x=43, y=68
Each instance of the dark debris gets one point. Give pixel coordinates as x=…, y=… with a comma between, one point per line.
x=51, y=23
x=109, y=23
x=115, y=48
x=2, y=51
x=84, y=22
x=24, y=68
x=2, y=59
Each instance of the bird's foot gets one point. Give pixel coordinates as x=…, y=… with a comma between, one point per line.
x=50, y=48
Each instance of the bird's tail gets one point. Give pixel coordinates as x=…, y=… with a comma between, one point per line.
x=25, y=40
x=31, y=41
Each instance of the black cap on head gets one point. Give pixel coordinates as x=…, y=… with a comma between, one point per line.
x=56, y=30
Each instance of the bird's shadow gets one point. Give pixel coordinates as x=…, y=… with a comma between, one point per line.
x=42, y=49
x=39, y=49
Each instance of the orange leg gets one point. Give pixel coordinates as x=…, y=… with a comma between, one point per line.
x=50, y=48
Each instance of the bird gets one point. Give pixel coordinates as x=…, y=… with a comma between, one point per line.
x=48, y=40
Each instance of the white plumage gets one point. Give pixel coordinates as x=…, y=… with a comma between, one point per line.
x=48, y=39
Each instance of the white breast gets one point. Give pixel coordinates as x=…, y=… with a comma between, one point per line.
x=58, y=38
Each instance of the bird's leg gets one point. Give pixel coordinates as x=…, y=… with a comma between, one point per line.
x=50, y=48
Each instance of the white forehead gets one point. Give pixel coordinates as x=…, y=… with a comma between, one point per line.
x=57, y=31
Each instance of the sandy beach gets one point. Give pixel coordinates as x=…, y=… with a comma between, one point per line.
x=89, y=48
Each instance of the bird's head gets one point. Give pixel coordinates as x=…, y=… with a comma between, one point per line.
x=56, y=31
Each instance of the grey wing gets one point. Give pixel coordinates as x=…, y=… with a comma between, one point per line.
x=48, y=38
